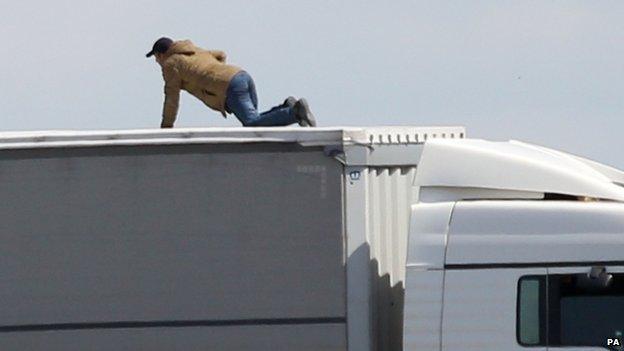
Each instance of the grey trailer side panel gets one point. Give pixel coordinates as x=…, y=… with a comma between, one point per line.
x=193, y=232
x=328, y=337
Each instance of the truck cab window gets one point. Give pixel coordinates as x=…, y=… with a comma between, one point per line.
x=584, y=315
x=572, y=309
x=531, y=311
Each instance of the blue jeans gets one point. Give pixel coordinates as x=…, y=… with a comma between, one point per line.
x=243, y=102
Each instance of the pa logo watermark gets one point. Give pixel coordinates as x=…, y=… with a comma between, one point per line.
x=615, y=343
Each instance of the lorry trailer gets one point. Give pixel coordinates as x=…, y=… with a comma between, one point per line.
x=338, y=238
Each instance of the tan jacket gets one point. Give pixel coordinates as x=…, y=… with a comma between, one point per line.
x=202, y=73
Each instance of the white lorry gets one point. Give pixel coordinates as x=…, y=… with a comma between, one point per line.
x=383, y=238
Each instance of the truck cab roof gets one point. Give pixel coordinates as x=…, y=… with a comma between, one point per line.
x=479, y=169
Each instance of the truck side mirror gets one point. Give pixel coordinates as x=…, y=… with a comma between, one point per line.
x=596, y=280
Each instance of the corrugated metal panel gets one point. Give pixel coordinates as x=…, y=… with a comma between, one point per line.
x=390, y=195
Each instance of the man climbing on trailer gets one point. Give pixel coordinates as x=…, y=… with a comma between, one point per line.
x=222, y=87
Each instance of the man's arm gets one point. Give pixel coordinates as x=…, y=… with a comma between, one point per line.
x=173, y=84
x=219, y=55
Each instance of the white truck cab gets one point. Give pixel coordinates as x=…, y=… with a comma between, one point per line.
x=514, y=247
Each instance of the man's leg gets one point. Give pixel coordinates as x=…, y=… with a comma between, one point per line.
x=240, y=100
x=281, y=116
x=252, y=92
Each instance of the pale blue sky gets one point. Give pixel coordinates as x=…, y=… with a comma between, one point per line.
x=548, y=72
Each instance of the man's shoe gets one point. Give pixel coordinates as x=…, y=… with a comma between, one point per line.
x=289, y=102
x=304, y=116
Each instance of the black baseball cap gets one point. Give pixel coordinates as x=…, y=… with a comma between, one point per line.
x=160, y=46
